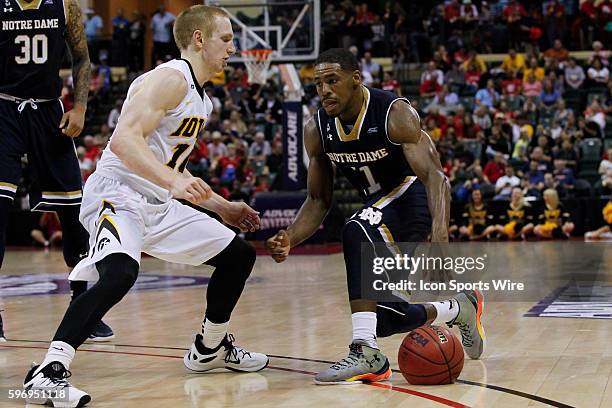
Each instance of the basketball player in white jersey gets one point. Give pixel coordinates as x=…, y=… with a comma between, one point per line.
x=129, y=205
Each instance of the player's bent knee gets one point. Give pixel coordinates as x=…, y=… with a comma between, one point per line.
x=238, y=257
x=118, y=273
x=353, y=234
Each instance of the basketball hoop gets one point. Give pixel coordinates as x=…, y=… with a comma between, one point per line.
x=257, y=61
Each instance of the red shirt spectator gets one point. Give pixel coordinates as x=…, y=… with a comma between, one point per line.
x=588, y=9
x=199, y=152
x=363, y=15
x=229, y=165
x=240, y=79
x=391, y=84
x=92, y=149
x=512, y=87
x=448, y=166
x=439, y=119
x=494, y=169
x=452, y=11
x=226, y=162
x=514, y=11
x=460, y=55
x=458, y=125
x=472, y=77
x=430, y=87
x=470, y=129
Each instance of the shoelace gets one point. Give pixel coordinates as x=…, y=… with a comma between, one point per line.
x=59, y=378
x=232, y=355
x=352, y=359
x=464, y=328
x=23, y=104
x=466, y=334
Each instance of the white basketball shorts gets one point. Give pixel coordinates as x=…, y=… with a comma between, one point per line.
x=120, y=220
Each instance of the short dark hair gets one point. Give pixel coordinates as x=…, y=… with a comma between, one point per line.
x=346, y=59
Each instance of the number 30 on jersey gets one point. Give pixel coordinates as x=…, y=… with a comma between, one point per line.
x=33, y=49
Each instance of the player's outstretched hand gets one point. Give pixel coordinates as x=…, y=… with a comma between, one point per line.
x=192, y=189
x=72, y=122
x=242, y=216
x=279, y=246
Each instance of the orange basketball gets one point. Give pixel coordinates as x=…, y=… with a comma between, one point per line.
x=430, y=355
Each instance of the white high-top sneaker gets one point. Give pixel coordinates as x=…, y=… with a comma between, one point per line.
x=226, y=355
x=49, y=387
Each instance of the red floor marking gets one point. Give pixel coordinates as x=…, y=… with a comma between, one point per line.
x=430, y=397
x=422, y=395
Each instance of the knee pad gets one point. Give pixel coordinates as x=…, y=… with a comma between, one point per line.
x=118, y=273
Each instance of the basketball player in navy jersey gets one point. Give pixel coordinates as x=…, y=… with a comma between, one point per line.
x=375, y=139
x=33, y=39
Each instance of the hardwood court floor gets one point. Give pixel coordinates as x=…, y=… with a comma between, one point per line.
x=297, y=313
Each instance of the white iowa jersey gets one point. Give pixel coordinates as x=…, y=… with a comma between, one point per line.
x=171, y=142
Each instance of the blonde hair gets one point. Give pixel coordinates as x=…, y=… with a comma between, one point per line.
x=551, y=192
x=194, y=18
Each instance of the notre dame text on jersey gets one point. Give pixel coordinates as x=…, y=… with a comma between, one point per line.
x=32, y=45
x=366, y=156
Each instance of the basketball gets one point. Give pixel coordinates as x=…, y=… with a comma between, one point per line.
x=430, y=355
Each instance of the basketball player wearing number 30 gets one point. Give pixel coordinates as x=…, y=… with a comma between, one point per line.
x=33, y=40
x=130, y=206
x=375, y=139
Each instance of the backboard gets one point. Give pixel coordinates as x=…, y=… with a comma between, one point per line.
x=291, y=28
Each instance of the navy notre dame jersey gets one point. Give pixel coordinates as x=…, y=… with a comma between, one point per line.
x=32, y=46
x=366, y=156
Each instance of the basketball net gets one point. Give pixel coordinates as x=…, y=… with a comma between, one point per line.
x=257, y=61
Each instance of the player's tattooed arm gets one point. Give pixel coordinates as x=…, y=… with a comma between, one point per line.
x=404, y=127
x=77, y=44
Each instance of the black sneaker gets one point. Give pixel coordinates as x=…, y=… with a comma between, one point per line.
x=2, y=338
x=101, y=333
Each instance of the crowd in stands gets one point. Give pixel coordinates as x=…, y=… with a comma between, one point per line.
x=538, y=120
x=239, y=153
x=414, y=30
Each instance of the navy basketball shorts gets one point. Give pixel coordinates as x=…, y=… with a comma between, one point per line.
x=401, y=215
x=51, y=155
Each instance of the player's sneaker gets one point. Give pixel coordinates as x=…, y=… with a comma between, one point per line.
x=101, y=333
x=226, y=355
x=363, y=364
x=50, y=387
x=2, y=339
x=471, y=304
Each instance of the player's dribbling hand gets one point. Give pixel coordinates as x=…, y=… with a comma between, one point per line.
x=242, y=216
x=279, y=246
x=192, y=189
x=72, y=122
